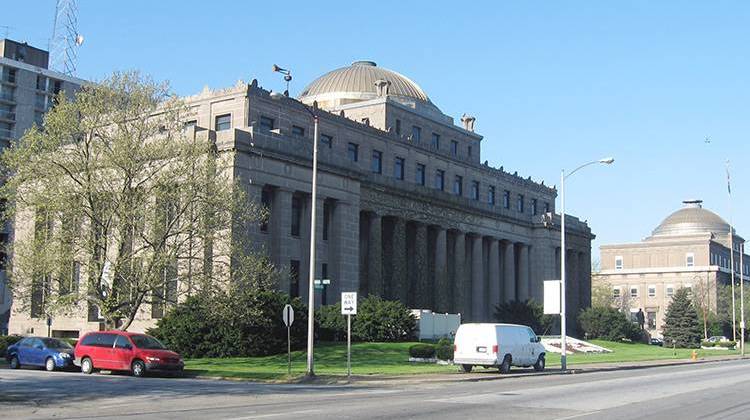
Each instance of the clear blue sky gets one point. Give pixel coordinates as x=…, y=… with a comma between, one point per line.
x=552, y=84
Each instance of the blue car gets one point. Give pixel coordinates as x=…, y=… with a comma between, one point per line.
x=49, y=353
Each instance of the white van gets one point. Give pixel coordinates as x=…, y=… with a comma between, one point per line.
x=500, y=345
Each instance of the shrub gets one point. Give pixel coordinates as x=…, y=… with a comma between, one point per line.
x=7, y=340
x=608, y=324
x=422, y=350
x=527, y=313
x=331, y=324
x=383, y=320
x=727, y=344
x=444, y=352
x=235, y=323
x=707, y=344
x=682, y=325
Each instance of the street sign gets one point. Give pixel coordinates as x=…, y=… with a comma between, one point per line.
x=349, y=303
x=552, y=297
x=288, y=315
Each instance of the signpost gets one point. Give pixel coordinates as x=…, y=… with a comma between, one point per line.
x=349, y=308
x=288, y=316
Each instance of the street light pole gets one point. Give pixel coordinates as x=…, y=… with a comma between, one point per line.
x=313, y=205
x=563, y=310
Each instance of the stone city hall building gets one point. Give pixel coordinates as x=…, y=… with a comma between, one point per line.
x=406, y=209
x=690, y=249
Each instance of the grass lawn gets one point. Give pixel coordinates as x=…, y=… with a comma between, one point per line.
x=392, y=359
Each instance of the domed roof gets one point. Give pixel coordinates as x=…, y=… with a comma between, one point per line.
x=358, y=82
x=692, y=219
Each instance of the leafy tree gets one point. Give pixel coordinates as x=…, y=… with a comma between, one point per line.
x=682, y=325
x=527, y=313
x=608, y=323
x=114, y=191
x=383, y=320
x=331, y=324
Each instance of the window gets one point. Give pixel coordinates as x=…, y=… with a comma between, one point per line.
x=618, y=263
x=294, y=278
x=326, y=218
x=265, y=201
x=326, y=140
x=669, y=290
x=41, y=82
x=9, y=75
x=296, y=216
x=534, y=206
x=652, y=291
x=353, y=151
x=616, y=292
x=377, y=162
x=420, y=178
x=506, y=199
x=470, y=151
x=690, y=259
x=416, y=134
x=121, y=342
x=458, y=185
x=651, y=320
x=266, y=123
x=634, y=291
x=454, y=148
x=298, y=131
x=546, y=207
x=519, y=203
x=436, y=141
x=398, y=127
x=439, y=180
x=398, y=168
x=56, y=87
x=223, y=122
x=191, y=123
x=491, y=196
x=475, y=190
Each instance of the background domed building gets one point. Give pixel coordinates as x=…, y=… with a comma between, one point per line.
x=405, y=208
x=690, y=248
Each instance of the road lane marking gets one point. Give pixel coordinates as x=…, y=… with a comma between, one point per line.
x=287, y=413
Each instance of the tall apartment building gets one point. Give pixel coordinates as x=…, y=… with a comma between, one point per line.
x=27, y=92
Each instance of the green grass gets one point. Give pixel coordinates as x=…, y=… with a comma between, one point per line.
x=392, y=359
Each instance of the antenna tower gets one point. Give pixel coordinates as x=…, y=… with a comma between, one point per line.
x=65, y=37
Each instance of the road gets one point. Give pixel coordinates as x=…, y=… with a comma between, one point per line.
x=709, y=390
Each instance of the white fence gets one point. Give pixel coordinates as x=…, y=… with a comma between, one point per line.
x=434, y=326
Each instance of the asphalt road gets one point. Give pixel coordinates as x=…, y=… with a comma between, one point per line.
x=709, y=390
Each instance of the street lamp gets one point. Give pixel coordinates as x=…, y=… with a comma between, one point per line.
x=311, y=286
x=563, y=332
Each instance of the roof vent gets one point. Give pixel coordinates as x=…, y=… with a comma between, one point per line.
x=693, y=204
x=364, y=63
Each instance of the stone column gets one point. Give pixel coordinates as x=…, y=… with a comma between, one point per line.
x=321, y=250
x=523, y=272
x=442, y=286
x=477, y=279
x=304, y=248
x=399, y=279
x=509, y=271
x=375, y=256
x=584, y=275
x=461, y=283
x=280, y=222
x=494, y=277
x=422, y=290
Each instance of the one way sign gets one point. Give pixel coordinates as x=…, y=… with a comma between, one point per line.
x=349, y=303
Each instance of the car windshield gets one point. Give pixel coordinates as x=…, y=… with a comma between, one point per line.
x=147, y=342
x=52, y=343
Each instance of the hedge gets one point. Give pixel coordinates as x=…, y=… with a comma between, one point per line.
x=6, y=341
x=422, y=351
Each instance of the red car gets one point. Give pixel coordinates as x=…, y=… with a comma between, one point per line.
x=119, y=350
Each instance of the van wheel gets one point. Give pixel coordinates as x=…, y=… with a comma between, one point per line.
x=14, y=363
x=49, y=364
x=138, y=368
x=87, y=366
x=539, y=365
x=505, y=366
x=466, y=368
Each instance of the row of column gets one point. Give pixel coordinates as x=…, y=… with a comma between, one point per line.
x=446, y=270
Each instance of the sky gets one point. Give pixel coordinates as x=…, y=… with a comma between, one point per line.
x=552, y=84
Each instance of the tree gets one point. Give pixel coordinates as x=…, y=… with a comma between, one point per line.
x=682, y=325
x=527, y=313
x=113, y=190
x=601, y=293
x=702, y=298
x=608, y=323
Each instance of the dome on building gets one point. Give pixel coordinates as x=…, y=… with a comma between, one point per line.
x=362, y=81
x=692, y=219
